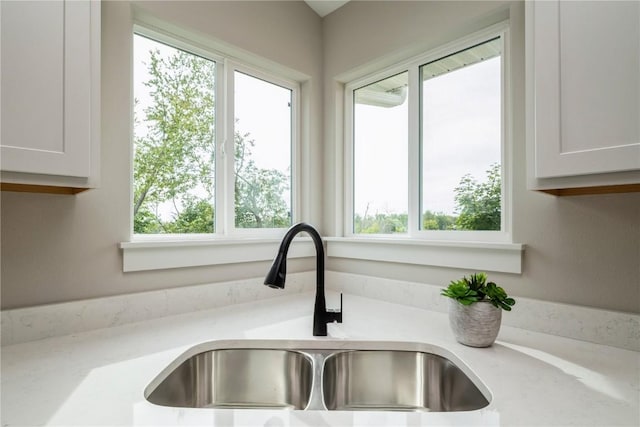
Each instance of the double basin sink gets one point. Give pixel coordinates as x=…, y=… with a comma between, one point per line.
x=318, y=375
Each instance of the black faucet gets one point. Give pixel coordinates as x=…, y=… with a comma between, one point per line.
x=278, y=272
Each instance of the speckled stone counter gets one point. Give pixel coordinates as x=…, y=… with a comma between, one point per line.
x=98, y=377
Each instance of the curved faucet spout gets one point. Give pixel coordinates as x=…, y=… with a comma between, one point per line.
x=277, y=274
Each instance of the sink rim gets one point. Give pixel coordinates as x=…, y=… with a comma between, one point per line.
x=306, y=346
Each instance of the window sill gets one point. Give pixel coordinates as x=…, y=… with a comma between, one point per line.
x=496, y=257
x=146, y=255
x=152, y=254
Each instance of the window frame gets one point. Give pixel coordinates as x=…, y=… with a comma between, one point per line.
x=412, y=66
x=231, y=66
x=224, y=204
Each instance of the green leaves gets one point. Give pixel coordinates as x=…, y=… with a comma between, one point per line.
x=174, y=144
x=477, y=283
x=437, y=221
x=478, y=205
x=498, y=296
x=461, y=292
x=479, y=202
x=259, y=201
x=475, y=288
x=380, y=223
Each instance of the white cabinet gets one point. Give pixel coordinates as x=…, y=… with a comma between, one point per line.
x=583, y=93
x=50, y=90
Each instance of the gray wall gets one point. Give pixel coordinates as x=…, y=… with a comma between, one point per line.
x=62, y=248
x=579, y=250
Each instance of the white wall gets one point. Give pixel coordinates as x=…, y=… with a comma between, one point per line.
x=62, y=248
x=579, y=250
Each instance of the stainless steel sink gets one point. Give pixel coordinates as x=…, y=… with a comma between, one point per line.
x=318, y=375
x=238, y=378
x=397, y=381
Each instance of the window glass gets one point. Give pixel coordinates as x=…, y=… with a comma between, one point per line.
x=380, y=149
x=263, y=140
x=174, y=140
x=179, y=98
x=461, y=140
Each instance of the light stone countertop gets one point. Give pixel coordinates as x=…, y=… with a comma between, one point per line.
x=98, y=377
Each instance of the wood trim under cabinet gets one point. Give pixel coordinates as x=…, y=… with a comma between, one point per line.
x=603, y=189
x=47, y=189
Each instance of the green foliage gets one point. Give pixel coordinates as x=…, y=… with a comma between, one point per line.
x=195, y=217
x=380, y=223
x=498, y=296
x=476, y=282
x=146, y=222
x=475, y=288
x=175, y=153
x=437, y=221
x=459, y=291
x=479, y=202
x=258, y=192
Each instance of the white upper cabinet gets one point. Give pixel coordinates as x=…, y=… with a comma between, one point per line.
x=583, y=93
x=50, y=92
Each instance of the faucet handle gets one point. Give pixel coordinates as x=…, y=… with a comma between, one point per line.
x=335, y=315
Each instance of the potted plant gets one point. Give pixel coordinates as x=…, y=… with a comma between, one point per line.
x=475, y=309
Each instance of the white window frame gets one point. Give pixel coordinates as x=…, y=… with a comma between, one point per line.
x=227, y=244
x=414, y=160
x=224, y=140
x=228, y=223
x=478, y=250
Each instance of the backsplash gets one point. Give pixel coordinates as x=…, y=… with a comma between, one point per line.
x=28, y=324
x=571, y=321
x=33, y=323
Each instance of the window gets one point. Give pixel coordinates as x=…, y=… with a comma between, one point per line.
x=174, y=140
x=263, y=141
x=461, y=140
x=379, y=145
x=426, y=146
x=214, y=143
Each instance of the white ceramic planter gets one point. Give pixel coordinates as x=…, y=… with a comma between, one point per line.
x=475, y=325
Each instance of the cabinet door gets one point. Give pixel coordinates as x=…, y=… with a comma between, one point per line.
x=46, y=87
x=586, y=87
